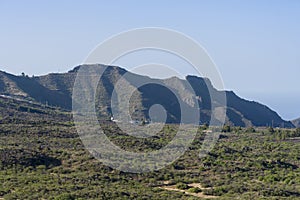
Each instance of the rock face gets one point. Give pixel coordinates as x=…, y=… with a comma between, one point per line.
x=56, y=90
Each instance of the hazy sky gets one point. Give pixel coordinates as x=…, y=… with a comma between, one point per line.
x=255, y=44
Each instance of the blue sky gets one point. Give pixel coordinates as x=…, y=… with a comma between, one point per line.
x=255, y=44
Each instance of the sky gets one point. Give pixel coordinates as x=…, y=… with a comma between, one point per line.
x=254, y=44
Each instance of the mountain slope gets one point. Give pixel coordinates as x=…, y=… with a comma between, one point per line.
x=56, y=90
x=32, y=89
x=17, y=111
x=296, y=122
x=258, y=114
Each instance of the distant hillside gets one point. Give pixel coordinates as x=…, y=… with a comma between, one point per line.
x=296, y=122
x=35, y=90
x=17, y=111
x=56, y=90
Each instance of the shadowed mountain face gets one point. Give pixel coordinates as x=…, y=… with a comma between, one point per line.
x=56, y=90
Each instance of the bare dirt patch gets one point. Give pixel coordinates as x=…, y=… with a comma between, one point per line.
x=192, y=185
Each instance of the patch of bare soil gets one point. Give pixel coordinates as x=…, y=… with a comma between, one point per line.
x=192, y=185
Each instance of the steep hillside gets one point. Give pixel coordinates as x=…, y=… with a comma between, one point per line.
x=30, y=88
x=256, y=113
x=56, y=90
x=16, y=111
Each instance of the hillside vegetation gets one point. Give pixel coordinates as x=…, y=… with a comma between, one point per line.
x=42, y=157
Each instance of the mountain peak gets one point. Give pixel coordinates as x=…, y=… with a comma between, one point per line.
x=110, y=67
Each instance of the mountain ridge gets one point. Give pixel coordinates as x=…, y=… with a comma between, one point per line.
x=56, y=89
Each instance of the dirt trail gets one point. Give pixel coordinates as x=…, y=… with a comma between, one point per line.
x=192, y=185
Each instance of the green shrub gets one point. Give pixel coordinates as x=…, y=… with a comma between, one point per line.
x=182, y=186
x=194, y=190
